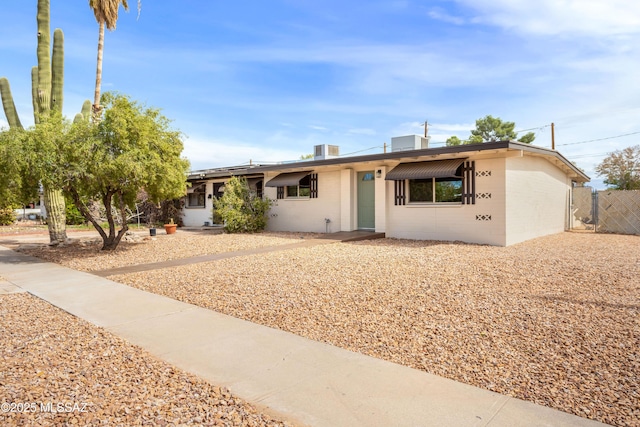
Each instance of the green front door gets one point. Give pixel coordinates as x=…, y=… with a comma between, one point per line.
x=366, y=201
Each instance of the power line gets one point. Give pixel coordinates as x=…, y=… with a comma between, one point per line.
x=601, y=139
x=536, y=128
x=581, y=156
x=360, y=151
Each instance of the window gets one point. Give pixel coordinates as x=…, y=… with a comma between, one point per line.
x=441, y=181
x=294, y=185
x=196, y=196
x=435, y=190
x=303, y=189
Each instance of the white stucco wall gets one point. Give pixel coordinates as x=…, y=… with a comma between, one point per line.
x=381, y=199
x=306, y=214
x=537, y=198
x=196, y=216
x=518, y=197
x=467, y=223
x=347, y=200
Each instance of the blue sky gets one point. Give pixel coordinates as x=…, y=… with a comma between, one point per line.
x=266, y=81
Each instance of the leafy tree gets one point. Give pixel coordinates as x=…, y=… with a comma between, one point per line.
x=106, y=13
x=306, y=156
x=621, y=169
x=492, y=129
x=16, y=186
x=454, y=140
x=241, y=209
x=10, y=176
x=131, y=148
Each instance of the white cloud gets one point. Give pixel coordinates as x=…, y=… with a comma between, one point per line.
x=553, y=17
x=452, y=127
x=216, y=153
x=441, y=15
x=361, y=131
x=320, y=128
x=408, y=128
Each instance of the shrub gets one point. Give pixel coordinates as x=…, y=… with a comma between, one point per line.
x=156, y=214
x=74, y=217
x=241, y=210
x=7, y=215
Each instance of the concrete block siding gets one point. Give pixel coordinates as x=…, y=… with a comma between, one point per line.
x=522, y=192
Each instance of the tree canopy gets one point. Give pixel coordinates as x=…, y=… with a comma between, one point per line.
x=131, y=148
x=492, y=129
x=17, y=186
x=621, y=169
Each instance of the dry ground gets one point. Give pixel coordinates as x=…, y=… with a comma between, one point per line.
x=86, y=255
x=555, y=320
x=50, y=357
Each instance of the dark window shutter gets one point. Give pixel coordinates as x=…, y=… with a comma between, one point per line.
x=469, y=183
x=400, y=198
x=314, y=186
x=280, y=193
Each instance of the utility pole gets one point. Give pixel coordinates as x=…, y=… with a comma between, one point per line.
x=553, y=137
x=426, y=127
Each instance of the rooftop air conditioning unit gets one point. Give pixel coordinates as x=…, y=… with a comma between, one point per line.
x=324, y=151
x=409, y=142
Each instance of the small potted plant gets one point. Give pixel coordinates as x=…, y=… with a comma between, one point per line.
x=151, y=223
x=171, y=227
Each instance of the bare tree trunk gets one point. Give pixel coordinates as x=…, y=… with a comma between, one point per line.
x=96, y=96
x=56, y=215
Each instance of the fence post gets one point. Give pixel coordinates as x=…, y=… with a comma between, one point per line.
x=595, y=210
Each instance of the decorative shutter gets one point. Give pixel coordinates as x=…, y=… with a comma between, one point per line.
x=314, y=186
x=400, y=198
x=469, y=183
x=280, y=193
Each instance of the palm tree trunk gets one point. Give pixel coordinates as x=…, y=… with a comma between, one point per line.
x=56, y=215
x=96, y=97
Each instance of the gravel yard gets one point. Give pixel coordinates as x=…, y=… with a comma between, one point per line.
x=86, y=255
x=555, y=320
x=51, y=357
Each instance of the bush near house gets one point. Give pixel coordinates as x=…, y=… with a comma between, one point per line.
x=240, y=209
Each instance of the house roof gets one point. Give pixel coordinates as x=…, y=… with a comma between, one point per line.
x=439, y=153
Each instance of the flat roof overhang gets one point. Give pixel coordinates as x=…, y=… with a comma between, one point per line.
x=425, y=154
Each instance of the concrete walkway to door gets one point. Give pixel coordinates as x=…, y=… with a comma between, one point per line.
x=306, y=381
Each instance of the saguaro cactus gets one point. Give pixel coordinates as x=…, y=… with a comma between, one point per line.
x=8, y=105
x=47, y=94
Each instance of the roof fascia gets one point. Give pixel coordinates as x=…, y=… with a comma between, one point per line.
x=398, y=155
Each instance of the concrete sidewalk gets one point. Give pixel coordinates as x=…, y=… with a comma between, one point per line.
x=305, y=381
